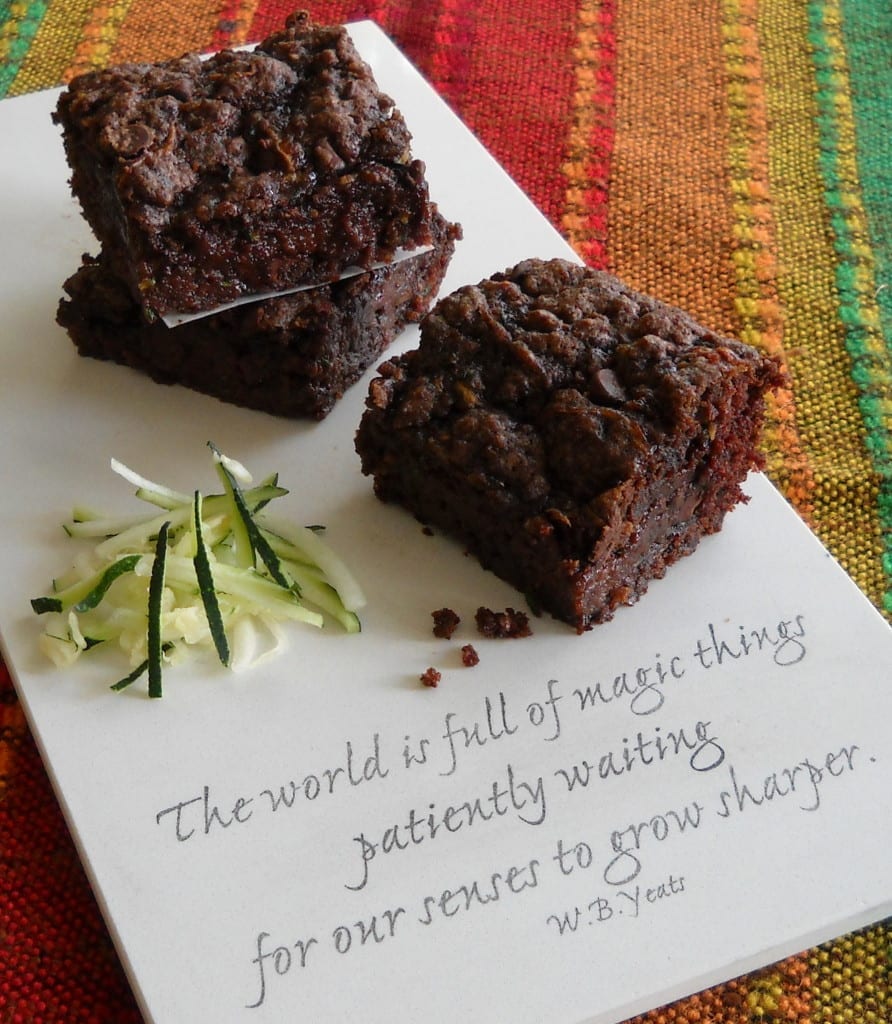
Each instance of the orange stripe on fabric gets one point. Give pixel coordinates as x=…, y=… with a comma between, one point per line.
x=755, y=259
x=159, y=29
x=99, y=36
x=829, y=421
x=775, y=994
x=670, y=225
x=590, y=140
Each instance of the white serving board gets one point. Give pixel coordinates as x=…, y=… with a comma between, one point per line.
x=726, y=809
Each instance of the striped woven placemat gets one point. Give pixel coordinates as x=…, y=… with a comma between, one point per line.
x=733, y=157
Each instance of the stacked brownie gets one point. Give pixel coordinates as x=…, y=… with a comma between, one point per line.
x=215, y=181
x=577, y=436
x=290, y=356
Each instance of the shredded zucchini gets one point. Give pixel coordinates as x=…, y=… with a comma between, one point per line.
x=207, y=572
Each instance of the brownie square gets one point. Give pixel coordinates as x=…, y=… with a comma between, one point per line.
x=249, y=172
x=575, y=435
x=293, y=355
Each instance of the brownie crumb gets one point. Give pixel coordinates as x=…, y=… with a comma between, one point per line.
x=430, y=677
x=469, y=656
x=427, y=531
x=497, y=625
x=445, y=622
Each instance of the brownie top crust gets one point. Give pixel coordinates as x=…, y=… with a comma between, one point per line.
x=557, y=382
x=255, y=170
x=301, y=106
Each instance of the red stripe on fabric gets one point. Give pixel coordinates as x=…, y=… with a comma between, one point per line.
x=271, y=14
x=450, y=63
x=517, y=92
x=513, y=87
x=226, y=24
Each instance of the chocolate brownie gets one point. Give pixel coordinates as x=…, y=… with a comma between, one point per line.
x=249, y=172
x=577, y=436
x=293, y=355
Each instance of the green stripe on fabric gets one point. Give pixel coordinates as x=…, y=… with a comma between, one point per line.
x=860, y=254
x=867, y=31
x=16, y=38
x=53, y=46
x=829, y=422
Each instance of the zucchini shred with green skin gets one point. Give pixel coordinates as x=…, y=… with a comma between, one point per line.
x=207, y=572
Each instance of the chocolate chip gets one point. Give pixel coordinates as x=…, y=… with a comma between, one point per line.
x=606, y=385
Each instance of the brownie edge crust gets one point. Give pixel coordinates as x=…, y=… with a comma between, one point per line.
x=577, y=436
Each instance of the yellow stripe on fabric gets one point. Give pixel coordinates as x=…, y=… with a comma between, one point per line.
x=99, y=36
x=864, y=955
x=9, y=30
x=158, y=29
x=828, y=419
x=755, y=259
x=54, y=46
x=779, y=993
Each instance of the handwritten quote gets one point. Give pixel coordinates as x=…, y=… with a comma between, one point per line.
x=615, y=858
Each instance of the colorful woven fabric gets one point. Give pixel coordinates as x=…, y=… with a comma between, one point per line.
x=733, y=157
